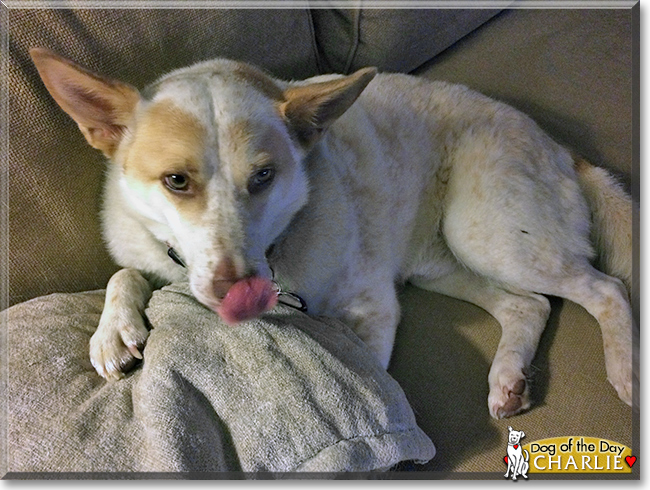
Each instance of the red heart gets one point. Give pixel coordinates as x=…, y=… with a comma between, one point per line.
x=516, y=446
x=505, y=458
x=630, y=460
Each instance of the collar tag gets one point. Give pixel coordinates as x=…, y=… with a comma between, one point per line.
x=286, y=298
x=290, y=299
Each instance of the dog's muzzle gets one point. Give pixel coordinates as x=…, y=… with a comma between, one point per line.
x=284, y=297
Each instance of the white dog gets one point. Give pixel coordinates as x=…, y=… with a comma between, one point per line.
x=517, y=456
x=343, y=186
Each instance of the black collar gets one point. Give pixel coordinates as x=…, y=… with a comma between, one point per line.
x=175, y=257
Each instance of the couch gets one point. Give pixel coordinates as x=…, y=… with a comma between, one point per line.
x=574, y=71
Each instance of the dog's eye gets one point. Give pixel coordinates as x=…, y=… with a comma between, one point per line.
x=176, y=182
x=261, y=180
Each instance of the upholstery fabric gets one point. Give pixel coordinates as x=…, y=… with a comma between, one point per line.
x=393, y=39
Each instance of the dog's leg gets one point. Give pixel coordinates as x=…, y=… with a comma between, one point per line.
x=522, y=318
x=605, y=298
x=520, y=462
x=373, y=315
x=121, y=334
x=524, y=467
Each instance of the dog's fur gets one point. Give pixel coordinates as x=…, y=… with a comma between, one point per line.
x=517, y=455
x=376, y=180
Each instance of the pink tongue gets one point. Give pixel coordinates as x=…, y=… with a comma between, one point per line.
x=247, y=299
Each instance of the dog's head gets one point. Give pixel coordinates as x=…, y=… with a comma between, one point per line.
x=514, y=436
x=210, y=155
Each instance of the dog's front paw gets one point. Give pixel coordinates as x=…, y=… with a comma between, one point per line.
x=508, y=395
x=117, y=344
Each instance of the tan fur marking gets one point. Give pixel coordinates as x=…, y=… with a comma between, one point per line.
x=310, y=109
x=169, y=140
x=259, y=80
x=102, y=107
x=238, y=135
x=580, y=163
x=250, y=150
x=238, y=138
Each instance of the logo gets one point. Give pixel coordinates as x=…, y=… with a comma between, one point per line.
x=569, y=454
x=517, y=458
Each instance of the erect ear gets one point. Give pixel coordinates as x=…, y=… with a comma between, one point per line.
x=310, y=109
x=101, y=107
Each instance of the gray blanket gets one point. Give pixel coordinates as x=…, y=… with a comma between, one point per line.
x=285, y=393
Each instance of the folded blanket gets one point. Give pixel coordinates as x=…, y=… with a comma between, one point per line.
x=284, y=393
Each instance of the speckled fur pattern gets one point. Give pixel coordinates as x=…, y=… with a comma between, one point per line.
x=379, y=180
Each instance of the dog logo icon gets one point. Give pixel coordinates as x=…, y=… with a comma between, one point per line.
x=517, y=459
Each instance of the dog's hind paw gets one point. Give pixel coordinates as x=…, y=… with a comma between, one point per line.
x=620, y=372
x=117, y=346
x=509, y=399
x=623, y=386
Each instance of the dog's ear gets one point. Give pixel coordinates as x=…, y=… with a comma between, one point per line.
x=310, y=109
x=101, y=107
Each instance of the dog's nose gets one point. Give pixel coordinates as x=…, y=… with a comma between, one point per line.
x=225, y=275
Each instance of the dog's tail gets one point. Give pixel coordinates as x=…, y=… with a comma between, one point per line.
x=611, y=209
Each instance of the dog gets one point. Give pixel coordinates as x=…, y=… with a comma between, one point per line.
x=339, y=188
x=517, y=456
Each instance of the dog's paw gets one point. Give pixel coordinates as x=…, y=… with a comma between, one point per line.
x=509, y=397
x=117, y=345
x=624, y=391
x=620, y=378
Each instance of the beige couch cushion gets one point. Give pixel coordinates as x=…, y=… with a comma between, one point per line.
x=390, y=39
